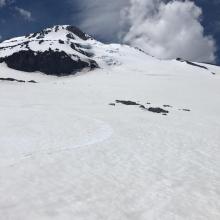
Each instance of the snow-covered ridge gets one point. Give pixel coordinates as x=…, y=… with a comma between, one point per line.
x=64, y=50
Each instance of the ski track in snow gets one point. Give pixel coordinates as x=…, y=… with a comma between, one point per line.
x=32, y=128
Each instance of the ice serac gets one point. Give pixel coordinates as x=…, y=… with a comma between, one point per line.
x=60, y=50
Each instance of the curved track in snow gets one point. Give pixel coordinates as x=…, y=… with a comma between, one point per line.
x=41, y=130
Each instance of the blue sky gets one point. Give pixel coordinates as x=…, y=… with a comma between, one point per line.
x=102, y=20
x=211, y=20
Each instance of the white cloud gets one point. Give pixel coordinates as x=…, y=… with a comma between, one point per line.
x=163, y=28
x=167, y=30
x=24, y=13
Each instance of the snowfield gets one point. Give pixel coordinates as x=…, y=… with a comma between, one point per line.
x=66, y=154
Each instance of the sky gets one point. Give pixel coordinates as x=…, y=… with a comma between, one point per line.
x=163, y=28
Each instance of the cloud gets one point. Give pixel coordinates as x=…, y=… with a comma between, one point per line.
x=98, y=17
x=6, y=2
x=163, y=28
x=2, y=3
x=167, y=30
x=24, y=13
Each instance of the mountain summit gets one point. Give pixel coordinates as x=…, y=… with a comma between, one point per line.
x=60, y=50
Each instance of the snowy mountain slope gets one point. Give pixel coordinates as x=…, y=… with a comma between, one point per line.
x=64, y=45
x=70, y=151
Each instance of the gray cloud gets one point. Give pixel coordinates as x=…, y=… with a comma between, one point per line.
x=99, y=17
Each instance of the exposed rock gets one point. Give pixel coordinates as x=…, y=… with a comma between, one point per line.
x=76, y=47
x=78, y=32
x=49, y=62
x=16, y=80
x=12, y=80
x=126, y=102
x=186, y=110
x=32, y=81
x=70, y=36
x=167, y=106
x=142, y=106
x=157, y=110
x=150, y=109
x=197, y=65
x=61, y=41
x=191, y=63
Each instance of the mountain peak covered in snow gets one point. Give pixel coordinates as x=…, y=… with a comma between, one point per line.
x=59, y=50
x=60, y=32
x=64, y=50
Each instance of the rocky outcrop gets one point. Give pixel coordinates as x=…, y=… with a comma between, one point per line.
x=49, y=62
x=191, y=63
x=78, y=32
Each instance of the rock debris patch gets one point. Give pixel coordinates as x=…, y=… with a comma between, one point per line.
x=127, y=102
x=158, y=110
x=184, y=110
x=17, y=80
